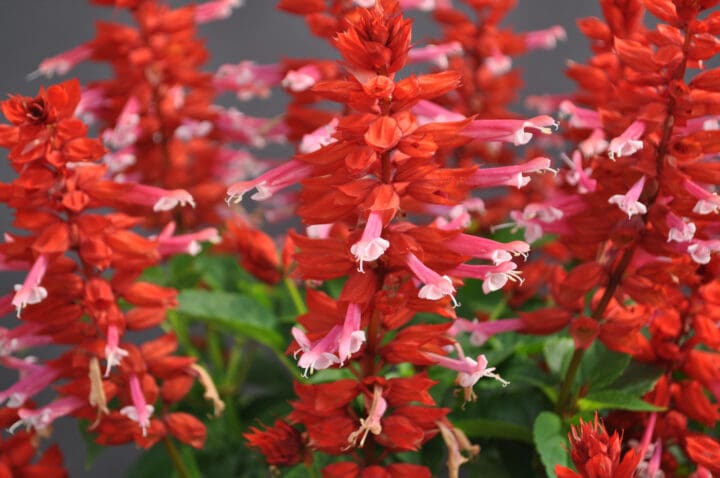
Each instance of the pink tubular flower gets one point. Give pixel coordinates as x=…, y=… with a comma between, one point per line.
x=594, y=144
x=139, y=411
x=270, y=182
x=318, y=231
x=61, y=64
x=497, y=63
x=436, y=54
x=510, y=130
x=494, y=277
x=435, y=286
x=119, y=161
x=215, y=10
x=647, y=434
x=160, y=199
x=20, y=338
x=318, y=355
x=545, y=103
x=579, y=117
x=459, y=219
x=185, y=243
x=536, y=219
x=509, y=175
x=579, y=176
x=248, y=80
x=351, y=336
x=246, y=129
x=302, y=79
x=628, y=202
x=628, y=142
x=127, y=126
x=40, y=419
x=318, y=138
x=30, y=292
x=480, y=332
x=545, y=39
x=91, y=100
x=429, y=112
x=469, y=370
x=681, y=229
x=708, y=202
x=700, y=250
x=113, y=353
x=372, y=424
x=424, y=5
x=483, y=248
x=190, y=129
x=33, y=380
x=370, y=246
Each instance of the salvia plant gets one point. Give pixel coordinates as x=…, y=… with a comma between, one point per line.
x=430, y=281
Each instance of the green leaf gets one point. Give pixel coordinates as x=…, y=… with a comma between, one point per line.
x=153, y=463
x=638, y=378
x=515, y=404
x=182, y=271
x=235, y=313
x=601, y=366
x=615, y=399
x=550, y=442
x=557, y=352
x=486, y=428
x=92, y=448
x=221, y=272
x=191, y=464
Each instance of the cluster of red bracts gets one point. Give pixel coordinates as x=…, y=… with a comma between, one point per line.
x=361, y=175
x=75, y=241
x=157, y=116
x=636, y=209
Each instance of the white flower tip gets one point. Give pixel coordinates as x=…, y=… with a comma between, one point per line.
x=171, y=201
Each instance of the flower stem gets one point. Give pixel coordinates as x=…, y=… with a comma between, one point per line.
x=565, y=395
x=295, y=296
x=175, y=457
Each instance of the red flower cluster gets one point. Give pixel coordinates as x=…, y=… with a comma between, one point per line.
x=17, y=452
x=374, y=167
x=82, y=263
x=638, y=213
x=156, y=113
x=597, y=454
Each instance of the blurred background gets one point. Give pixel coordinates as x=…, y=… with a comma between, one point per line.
x=31, y=31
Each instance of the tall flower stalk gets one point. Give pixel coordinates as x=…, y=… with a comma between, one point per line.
x=379, y=169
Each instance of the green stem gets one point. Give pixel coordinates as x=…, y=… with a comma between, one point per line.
x=236, y=366
x=177, y=325
x=215, y=349
x=241, y=372
x=295, y=295
x=568, y=380
x=289, y=364
x=175, y=457
x=565, y=395
x=312, y=471
x=498, y=309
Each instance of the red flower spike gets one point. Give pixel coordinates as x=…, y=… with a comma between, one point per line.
x=357, y=170
x=281, y=445
x=597, y=454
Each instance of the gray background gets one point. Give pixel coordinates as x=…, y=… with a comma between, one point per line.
x=31, y=30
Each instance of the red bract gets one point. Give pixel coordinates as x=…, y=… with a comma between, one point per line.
x=597, y=454
x=282, y=444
